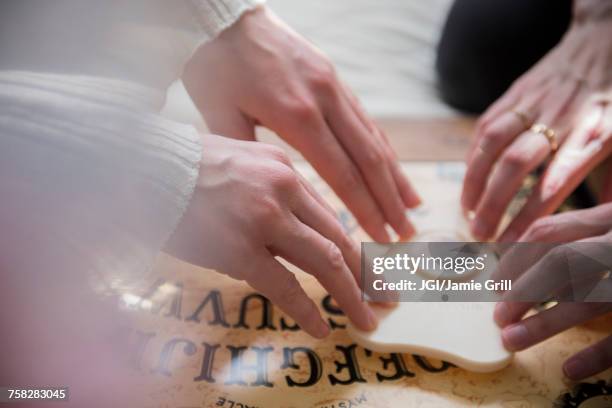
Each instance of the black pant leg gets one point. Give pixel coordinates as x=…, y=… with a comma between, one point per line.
x=487, y=44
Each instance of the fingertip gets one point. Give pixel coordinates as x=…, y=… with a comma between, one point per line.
x=467, y=204
x=408, y=234
x=380, y=235
x=405, y=229
x=322, y=330
x=413, y=200
x=515, y=337
x=479, y=229
x=501, y=314
x=371, y=319
x=575, y=368
x=386, y=304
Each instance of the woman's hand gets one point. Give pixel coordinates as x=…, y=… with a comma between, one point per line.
x=250, y=206
x=568, y=91
x=574, y=272
x=260, y=72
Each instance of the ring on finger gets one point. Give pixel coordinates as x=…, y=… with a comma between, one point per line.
x=548, y=133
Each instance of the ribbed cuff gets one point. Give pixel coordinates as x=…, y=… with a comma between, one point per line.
x=214, y=16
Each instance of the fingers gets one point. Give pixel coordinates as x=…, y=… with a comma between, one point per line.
x=312, y=214
x=278, y=154
x=491, y=140
x=580, y=153
x=319, y=146
x=509, y=100
x=317, y=255
x=315, y=195
x=547, y=232
x=549, y=322
x=506, y=313
x=368, y=153
x=573, y=272
x=571, y=225
x=409, y=195
x=590, y=361
x=517, y=161
x=282, y=288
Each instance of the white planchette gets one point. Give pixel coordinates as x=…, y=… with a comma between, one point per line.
x=464, y=334
x=458, y=332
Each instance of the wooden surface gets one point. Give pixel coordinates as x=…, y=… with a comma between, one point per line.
x=206, y=340
x=413, y=139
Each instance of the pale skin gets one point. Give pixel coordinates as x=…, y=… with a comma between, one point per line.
x=570, y=91
x=251, y=206
x=260, y=72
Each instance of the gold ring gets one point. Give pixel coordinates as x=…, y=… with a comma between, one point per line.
x=523, y=117
x=548, y=133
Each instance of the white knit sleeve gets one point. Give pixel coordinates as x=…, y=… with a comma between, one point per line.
x=90, y=176
x=213, y=16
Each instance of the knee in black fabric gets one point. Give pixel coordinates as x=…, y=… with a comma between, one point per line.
x=485, y=45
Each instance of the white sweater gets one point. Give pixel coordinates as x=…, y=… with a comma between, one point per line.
x=91, y=177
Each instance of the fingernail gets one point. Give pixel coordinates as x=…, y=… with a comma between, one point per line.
x=382, y=236
x=415, y=201
x=479, y=229
x=515, y=337
x=372, y=320
x=501, y=314
x=466, y=205
x=322, y=330
x=408, y=232
x=575, y=368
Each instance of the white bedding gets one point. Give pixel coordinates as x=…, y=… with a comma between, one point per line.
x=384, y=49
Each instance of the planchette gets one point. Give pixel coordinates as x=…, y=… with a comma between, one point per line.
x=461, y=333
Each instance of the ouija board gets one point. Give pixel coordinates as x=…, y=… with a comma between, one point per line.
x=205, y=340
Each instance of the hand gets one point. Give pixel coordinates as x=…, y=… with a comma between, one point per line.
x=260, y=72
x=575, y=270
x=250, y=206
x=569, y=91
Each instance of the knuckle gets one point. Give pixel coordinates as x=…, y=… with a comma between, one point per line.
x=284, y=179
x=493, y=134
x=350, y=179
x=303, y=109
x=268, y=210
x=334, y=256
x=322, y=77
x=513, y=159
x=345, y=243
x=374, y=157
x=539, y=328
x=541, y=229
x=278, y=154
x=560, y=254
